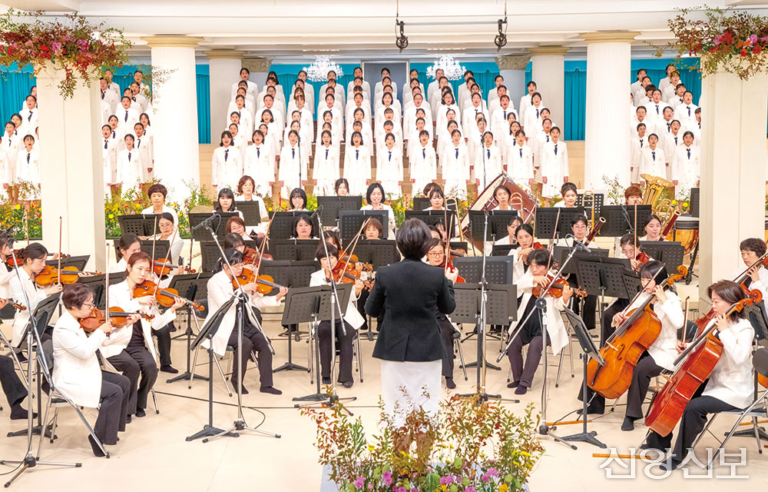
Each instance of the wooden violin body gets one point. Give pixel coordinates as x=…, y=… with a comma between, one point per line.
x=264, y=283
x=165, y=297
x=343, y=275
x=117, y=317
x=51, y=275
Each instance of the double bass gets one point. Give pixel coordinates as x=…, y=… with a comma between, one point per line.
x=698, y=362
x=623, y=349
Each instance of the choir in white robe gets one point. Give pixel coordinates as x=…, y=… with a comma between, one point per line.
x=226, y=167
x=686, y=114
x=129, y=166
x=520, y=164
x=109, y=153
x=357, y=168
x=389, y=170
x=686, y=168
x=326, y=169
x=423, y=166
x=293, y=168
x=636, y=147
x=259, y=163
x=488, y=165
x=554, y=167
x=455, y=162
x=653, y=162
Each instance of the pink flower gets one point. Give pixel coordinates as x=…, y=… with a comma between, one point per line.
x=56, y=46
x=359, y=482
x=469, y=489
x=752, y=39
x=764, y=39
x=28, y=43
x=446, y=480
x=370, y=486
x=717, y=39
x=386, y=477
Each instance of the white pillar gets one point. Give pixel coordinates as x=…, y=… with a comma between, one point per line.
x=607, y=143
x=733, y=157
x=224, y=70
x=548, y=71
x=512, y=68
x=71, y=168
x=177, y=155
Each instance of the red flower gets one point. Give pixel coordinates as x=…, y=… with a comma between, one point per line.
x=743, y=52
x=727, y=37
x=757, y=49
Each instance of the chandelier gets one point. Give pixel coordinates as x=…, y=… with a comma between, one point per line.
x=451, y=68
x=318, y=71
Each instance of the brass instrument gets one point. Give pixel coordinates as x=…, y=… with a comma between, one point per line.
x=665, y=211
x=517, y=199
x=654, y=187
x=589, y=194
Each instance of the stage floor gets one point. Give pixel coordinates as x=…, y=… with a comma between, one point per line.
x=153, y=454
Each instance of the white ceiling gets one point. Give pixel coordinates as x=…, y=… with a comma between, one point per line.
x=354, y=29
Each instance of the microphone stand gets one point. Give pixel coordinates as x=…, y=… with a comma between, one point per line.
x=239, y=424
x=30, y=460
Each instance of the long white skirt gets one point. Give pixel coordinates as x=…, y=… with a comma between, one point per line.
x=403, y=385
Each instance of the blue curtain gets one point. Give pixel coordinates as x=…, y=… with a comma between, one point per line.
x=14, y=88
x=203, y=106
x=575, y=105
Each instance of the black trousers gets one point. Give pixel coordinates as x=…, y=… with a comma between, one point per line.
x=113, y=412
x=361, y=309
x=252, y=340
x=135, y=362
x=164, y=343
x=524, y=373
x=692, y=423
x=585, y=307
x=343, y=344
x=641, y=378
x=446, y=332
x=13, y=388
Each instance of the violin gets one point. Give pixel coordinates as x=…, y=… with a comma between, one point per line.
x=698, y=362
x=162, y=268
x=117, y=317
x=17, y=306
x=164, y=297
x=459, y=278
x=51, y=275
x=642, y=258
x=353, y=261
x=556, y=289
x=341, y=275
x=264, y=284
x=253, y=257
x=10, y=263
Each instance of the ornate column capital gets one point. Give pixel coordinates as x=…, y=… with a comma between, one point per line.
x=513, y=62
x=225, y=54
x=257, y=64
x=549, y=50
x=609, y=36
x=170, y=41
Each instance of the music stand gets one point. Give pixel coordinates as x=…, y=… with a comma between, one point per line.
x=219, y=224
x=207, y=332
x=599, y=199
x=497, y=224
x=670, y=253
x=589, y=350
x=547, y=217
x=620, y=219
x=500, y=309
x=192, y=286
x=294, y=249
x=602, y=277
x=502, y=249
x=78, y=262
x=434, y=217
x=561, y=253
x=632, y=284
x=282, y=223
x=377, y=252
x=138, y=224
x=160, y=248
x=332, y=205
x=350, y=222
x=210, y=255
x=251, y=212
x=695, y=198
x=97, y=286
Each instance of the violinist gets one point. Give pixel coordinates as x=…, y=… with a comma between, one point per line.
x=220, y=289
x=33, y=262
x=524, y=238
x=627, y=244
x=303, y=228
x=246, y=190
x=157, y=194
x=751, y=250
x=502, y=196
x=662, y=353
x=127, y=246
x=6, y=272
x=341, y=187
x=15, y=391
x=353, y=320
x=131, y=350
x=570, y=194
x=236, y=225
x=169, y=232
x=77, y=372
x=436, y=257
x=436, y=198
x=332, y=237
x=652, y=228
x=588, y=305
x=372, y=232
x=731, y=384
x=531, y=331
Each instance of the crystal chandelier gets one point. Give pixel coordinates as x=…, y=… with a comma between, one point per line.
x=451, y=68
x=318, y=71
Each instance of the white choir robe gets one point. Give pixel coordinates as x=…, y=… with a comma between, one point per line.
x=675, y=101
x=274, y=147
x=663, y=84
x=537, y=143
x=655, y=112
x=653, y=162
x=381, y=134
x=520, y=164
x=336, y=115
x=126, y=119
x=409, y=119
x=432, y=89
x=350, y=114
x=668, y=95
x=305, y=140
x=226, y=167
x=638, y=96
x=471, y=113
x=144, y=146
x=423, y=164
x=442, y=120
x=305, y=119
x=309, y=97
x=336, y=135
x=414, y=143
x=5, y=171
x=499, y=125
x=29, y=118
x=259, y=163
x=326, y=169
x=28, y=166
x=10, y=145
x=365, y=85
x=251, y=89
x=141, y=103
x=293, y=168
x=669, y=143
x=455, y=163
x=277, y=120
x=686, y=114
x=129, y=169
x=241, y=144
x=379, y=116
x=357, y=168
x=488, y=165
x=246, y=120
x=532, y=123
x=686, y=168
x=389, y=170
x=111, y=100
x=636, y=147
x=554, y=167
x=109, y=154
x=525, y=105
x=338, y=93
x=278, y=105
x=378, y=89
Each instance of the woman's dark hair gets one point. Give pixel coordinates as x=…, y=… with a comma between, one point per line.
x=232, y=240
x=225, y=193
x=627, y=239
x=298, y=192
x=330, y=136
x=429, y=187
x=139, y=256
x=233, y=256
x=339, y=182
x=436, y=191
x=413, y=239
x=730, y=292
x=234, y=220
x=372, y=187
x=242, y=182
x=754, y=245
x=332, y=251
x=225, y=132
x=126, y=241
x=167, y=216
x=6, y=239
x=334, y=239
x=157, y=188
x=75, y=295
x=538, y=256
x=650, y=219
x=524, y=227
x=376, y=224
x=568, y=187
x=501, y=188
x=34, y=251
x=580, y=219
x=434, y=242
x=304, y=218
x=654, y=270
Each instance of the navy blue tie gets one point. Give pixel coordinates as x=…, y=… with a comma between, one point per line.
x=675, y=141
x=689, y=153
x=293, y=153
x=689, y=111
x=641, y=143
x=424, y=153
x=489, y=153
x=537, y=113
x=555, y=149
x=326, y=154
x=258, y=153
x=653, y=154
x=126, y=115
x=657, y=109
x=226, y=154
x=390, y=156
x=105, y=144
x=457, y=152
x=357, y=154
x=521, y=153
x=129, y=157
x=29, y=154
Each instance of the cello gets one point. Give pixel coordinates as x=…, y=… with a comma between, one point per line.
x=698, y=361
x=623, y=349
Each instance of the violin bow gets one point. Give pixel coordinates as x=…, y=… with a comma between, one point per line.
x=60, y=232
x=354, y=245
x=552, y=244
x=263, y=246
x=634, y=231
x=447, y=235
x=106, y=288
x=154, y=241
x=165, y=261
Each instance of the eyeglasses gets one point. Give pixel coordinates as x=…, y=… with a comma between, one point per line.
x=436, y=255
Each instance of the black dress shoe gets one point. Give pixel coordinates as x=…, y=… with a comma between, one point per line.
x=449, y=383
x=128, y=419
x=590, y=410
x=513, y=384
x=141, y=413
x=169, y=369
x=271, y=390
x=326, y=381
x=348, y=384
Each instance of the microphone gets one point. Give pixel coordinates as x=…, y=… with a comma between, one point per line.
x=207, y=222
x=582, y=247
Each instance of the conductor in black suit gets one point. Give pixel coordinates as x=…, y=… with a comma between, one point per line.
x=410, y=294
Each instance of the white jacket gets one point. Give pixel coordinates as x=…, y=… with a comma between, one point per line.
x=351, y=315
x=664, y=349
x=731, y=380
x=35, y=295
x=558, y=335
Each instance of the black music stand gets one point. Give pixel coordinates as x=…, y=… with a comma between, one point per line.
x=78, y=262
x=632, y=284
x=671, y=253
x=434, y=217
x=219, y=224
x=294, y=249
x=602, y=276
x=207, y=332
x=210, y=255
x=97, y=286
x=282, y=223
x=599, y=199
x=695, y=199
x=312, y=305
x=589, y=350
x=377, y=252
x=138, y=224
x=497, y=224
x=160, y=248
x=547, y=217
x=502, y=249
x=192, y=286
x=332, y=205
x=561, y=253
x=620, y=219
x=500, y=309
x=251, y=212
x=350, y=222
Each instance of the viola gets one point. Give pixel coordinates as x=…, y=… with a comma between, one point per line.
x=698, y=362
x=117, y=317
x=264, y=283
x=642, y=258
x=162, y=268
x=253, y=257
x=341, y=275
x=353, y=261
x=18, y=307
x=623, y=349
x=459, y=278
x=538, y=245
x=556, y=289
x=51, y=275
x=164, y=297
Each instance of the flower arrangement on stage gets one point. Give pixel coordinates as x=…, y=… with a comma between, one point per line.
x=725, y=39
x=470, y=448
x=284, y=205
x=78, y=48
